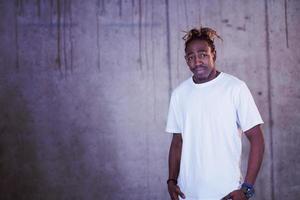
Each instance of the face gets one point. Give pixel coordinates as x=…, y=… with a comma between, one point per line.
x=200, y=59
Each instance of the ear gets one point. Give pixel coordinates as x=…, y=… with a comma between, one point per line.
x=186, y=59
x=215, y=55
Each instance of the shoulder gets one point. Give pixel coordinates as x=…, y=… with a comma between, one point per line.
x=232, y=81
x=183, y=87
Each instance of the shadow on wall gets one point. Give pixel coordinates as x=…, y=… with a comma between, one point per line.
x=80, y=148
x=18, y=159
x=57, y=156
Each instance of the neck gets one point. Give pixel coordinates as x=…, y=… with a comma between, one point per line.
x=214, y=73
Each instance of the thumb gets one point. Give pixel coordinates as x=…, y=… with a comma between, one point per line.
x=180, y=193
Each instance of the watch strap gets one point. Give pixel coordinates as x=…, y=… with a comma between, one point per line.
x=248, y=190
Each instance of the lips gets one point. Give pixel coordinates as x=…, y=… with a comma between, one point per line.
x=200, y=69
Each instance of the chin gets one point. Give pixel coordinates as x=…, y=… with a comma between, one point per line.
x=201, y=76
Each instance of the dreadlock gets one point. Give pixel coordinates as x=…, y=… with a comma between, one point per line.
x=203, y=33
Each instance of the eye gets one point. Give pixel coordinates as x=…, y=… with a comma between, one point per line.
x=190, y=58
x=203, y=55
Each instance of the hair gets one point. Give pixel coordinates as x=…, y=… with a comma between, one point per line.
x=203, y=33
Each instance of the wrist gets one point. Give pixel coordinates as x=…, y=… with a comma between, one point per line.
x=248, y=190
x=172, y=180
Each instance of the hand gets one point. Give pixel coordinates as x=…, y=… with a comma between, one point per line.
x=235, y=195
x=174, y=191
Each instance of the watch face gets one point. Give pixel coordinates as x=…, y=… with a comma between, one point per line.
x=249, y=192
x=244, y=190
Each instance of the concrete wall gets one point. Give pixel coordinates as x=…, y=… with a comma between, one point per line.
x=85, y=85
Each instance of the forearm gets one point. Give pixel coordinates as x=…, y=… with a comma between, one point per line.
x=255, y=155
x=175, y=156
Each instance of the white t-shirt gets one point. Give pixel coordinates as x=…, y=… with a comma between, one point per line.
x=210, y=116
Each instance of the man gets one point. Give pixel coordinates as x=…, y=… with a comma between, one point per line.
x=206, y=116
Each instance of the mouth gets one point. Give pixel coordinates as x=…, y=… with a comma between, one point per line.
x=200, y=69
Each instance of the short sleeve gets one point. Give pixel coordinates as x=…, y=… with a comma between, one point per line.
x=248, y=115
x=173, y=125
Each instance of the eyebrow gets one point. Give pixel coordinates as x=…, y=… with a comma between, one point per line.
x=201, y=50
x=189, y=53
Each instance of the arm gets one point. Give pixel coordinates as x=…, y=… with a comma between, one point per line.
x=175, y=156
x=255, y=158
x=174, y=166
x=257, y=147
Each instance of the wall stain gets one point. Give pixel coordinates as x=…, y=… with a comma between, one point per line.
x=98, y=34
x=147, y=64
x=132, y=15
x=225, y=21
x=140, y=35
x=58, y=57
x=38, y=2
x=227, y=24
x=71, y=35
x=51, y=13
x=120, y=8
x=153, y=60
x=146, y=38
x=65, y=35
x=17, y=9
x=20, y=6
x=61, y=9
x=178, y=36
x=168, y=47
x=286, y=24
x=199, y=4
x=270, y=108
x=241, y=28
x=185, y=14
x=103, y=8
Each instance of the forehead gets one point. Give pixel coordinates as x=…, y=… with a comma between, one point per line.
x=197, y=45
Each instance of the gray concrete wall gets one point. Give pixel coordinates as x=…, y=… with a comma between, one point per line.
x=85, y=85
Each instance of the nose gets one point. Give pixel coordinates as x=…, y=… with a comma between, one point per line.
x=198, y=60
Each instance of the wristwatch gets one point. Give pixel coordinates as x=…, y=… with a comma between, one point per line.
x=248, y=190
